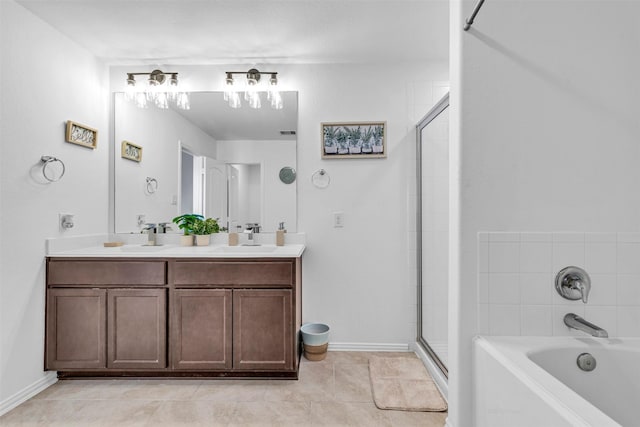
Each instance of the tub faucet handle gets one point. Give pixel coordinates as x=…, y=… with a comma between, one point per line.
x=573, y=283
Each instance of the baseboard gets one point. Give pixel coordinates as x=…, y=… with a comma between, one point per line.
x=357, y=346
x=28, y=392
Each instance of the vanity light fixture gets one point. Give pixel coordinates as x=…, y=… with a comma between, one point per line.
x=156, y=91
x=252, y=89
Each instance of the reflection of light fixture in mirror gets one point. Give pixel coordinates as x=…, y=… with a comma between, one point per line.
x=252, y=90
x=156, y=91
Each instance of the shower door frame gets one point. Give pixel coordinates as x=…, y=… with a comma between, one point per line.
x=441, y=106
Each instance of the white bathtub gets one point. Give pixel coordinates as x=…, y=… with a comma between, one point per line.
x=535, y=382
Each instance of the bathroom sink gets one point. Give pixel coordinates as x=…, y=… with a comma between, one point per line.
x=246, y=249
x=143, y=248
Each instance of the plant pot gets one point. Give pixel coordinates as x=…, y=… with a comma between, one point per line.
x=377, y=148
x=203, y=239
x=186, y=240
x=355, y=150
x=331, y=150
x=315, y=353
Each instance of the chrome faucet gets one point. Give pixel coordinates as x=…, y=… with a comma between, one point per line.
x=573, y=283
x=252, y=228
x=576, y=322
x=151, y=230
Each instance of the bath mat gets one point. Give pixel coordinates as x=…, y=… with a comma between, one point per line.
x=403, y=383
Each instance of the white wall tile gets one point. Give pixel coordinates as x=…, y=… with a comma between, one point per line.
x=506, y=236
x=628, y=258
x=600, y=237
x=504, y=257
x=483, y=257
x=536, y=320
x=536, y=237
x=535, y=257
x=604, y=289
x=536, y=288
x=600, y=257
x=504, y=288
x=628, y=290
x=568, y=237
x=566, y=254
x=628, y=321
x=504, y=320
x=624, y=237
x=483, y=319
x=483, y=288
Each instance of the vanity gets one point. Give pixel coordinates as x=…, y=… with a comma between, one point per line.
x=174, y=312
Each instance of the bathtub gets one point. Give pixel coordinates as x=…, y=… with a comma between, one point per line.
x=536, y=382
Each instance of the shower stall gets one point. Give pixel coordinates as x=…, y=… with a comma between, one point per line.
x=432, y=170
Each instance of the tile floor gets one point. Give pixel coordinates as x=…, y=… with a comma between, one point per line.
x=333, y=392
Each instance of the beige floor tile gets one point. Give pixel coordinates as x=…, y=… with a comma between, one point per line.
x=192, y=413
x=421, y=419
x=40, y=413
x=352, y=383
x=271, y=414
x=121, y=413
x=346, y=414
x=231, y=391
x=333, y=392
x=316, y=384
x=160, y=389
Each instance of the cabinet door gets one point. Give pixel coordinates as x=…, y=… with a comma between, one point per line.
x=137, y=329
x=76, y=328
x=201, y=329
x=262, y=330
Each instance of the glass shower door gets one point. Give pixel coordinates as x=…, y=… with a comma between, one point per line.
x=433, y=232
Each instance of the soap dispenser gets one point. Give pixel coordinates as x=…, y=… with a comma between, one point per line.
x=233, y=236
x=280, y=235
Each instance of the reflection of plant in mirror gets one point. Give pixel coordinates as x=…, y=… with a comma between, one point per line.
x=204, y=227
x=185, y=222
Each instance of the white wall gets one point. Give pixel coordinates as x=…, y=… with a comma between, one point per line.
x=157, y=132
x=46, y=79
x=544, y=115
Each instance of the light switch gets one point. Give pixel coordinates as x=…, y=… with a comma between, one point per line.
x=338, y=219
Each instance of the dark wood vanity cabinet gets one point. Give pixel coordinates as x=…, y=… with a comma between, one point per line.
x=173, y=317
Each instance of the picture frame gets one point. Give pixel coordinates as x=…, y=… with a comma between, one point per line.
x=131, y=151
x=81, y=135
x=353, y=140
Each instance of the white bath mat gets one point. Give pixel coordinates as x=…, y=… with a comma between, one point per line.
x=403, y=383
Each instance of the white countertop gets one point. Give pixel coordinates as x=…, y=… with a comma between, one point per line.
x=177, y=251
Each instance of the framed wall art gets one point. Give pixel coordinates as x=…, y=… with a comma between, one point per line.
x=131, y=151
x=81, y=135
x=354, y=140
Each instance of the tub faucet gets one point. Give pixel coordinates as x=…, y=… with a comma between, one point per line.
x=576, y=322
x=573, y=283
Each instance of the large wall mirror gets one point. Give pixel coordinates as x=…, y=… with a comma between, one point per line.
x=212, y=159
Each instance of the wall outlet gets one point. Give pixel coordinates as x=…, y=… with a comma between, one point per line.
x=338, y=219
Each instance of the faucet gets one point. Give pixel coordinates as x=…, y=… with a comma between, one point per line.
x=252, y=228
x=576, y=322
x=151, y=230
x=573, y=283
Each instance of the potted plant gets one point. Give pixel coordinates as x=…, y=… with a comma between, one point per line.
x=330, y=143
x=378, y=135
x=355, y=140
x=366, y=141
x=203, y=228
x=185, y=223
x=343, y=144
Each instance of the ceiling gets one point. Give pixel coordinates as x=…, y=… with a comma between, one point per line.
x=175, y=32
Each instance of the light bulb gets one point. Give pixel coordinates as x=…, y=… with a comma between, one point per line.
x=161, y=100
x=130, y=91
x=182, y=101
x=141, y=100
x=276, y=100
x=234, y=100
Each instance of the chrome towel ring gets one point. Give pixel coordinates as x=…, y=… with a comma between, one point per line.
x=49, y=161
x=152, y=185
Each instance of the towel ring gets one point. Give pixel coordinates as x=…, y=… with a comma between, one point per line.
x=320, y=178
x=46, y=161
x=152, y=185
